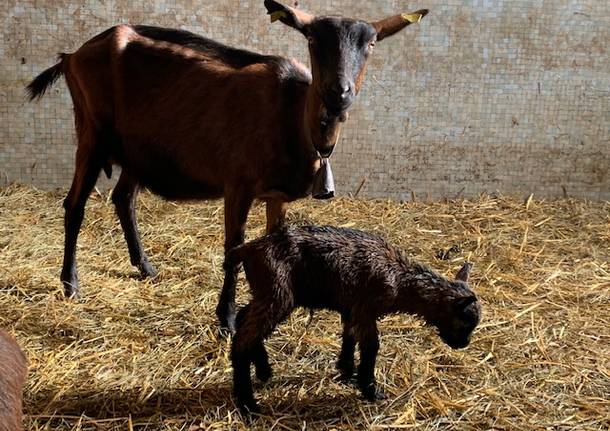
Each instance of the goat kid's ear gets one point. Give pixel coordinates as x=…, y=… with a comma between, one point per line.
x=294, y=18
x=392, y=25
x=464, y=272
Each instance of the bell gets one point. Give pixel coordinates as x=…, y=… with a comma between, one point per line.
x=323, y=183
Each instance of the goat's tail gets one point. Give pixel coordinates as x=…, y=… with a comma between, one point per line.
x=38, y=87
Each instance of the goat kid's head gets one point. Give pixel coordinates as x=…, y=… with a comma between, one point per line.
x=459, y=313
x=339, y=51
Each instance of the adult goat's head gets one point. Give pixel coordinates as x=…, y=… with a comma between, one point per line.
x=339, y=50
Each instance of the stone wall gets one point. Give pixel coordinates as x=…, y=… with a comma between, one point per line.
x=483, y=95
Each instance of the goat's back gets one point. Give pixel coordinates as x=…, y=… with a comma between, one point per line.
x=322, y=267
x=13, y=370
x=184, y=119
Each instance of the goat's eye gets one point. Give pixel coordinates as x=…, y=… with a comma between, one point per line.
x=372, y=45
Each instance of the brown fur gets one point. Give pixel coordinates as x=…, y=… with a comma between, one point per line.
x=13, y=370
x=190, y=118
x=354, y=273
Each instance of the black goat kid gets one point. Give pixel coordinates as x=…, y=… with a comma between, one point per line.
x=354, y=273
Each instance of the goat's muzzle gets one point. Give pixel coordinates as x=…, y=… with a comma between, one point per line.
x=456, y=342
x=338, y=97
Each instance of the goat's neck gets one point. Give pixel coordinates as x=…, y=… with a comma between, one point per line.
x=420, y=291
x=317, y=135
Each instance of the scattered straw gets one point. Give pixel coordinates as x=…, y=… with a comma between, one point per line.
x=142, y=355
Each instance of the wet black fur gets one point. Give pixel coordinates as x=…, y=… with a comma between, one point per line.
x=354, y=273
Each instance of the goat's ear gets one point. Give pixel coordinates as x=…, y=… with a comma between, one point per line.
x=462, y=303
x=464, y=273
x=392, y=25
x=294, y=18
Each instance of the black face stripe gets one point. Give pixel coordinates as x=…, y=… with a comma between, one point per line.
x=341, y=44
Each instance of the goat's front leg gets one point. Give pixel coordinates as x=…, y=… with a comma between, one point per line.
x=276, y=214
x=237, y=206
x=345, y=364
x=368, y=340
x=124, y=199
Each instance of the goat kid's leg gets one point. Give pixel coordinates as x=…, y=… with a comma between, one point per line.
x=242, y=381
x=345, y=364
x=88, y=167
x=259, y=353
x=245, y=343
x=255, y=324
x=237, y=206
x=276, y=214
x=261, y=363
x=124, y=199
x=368, y=340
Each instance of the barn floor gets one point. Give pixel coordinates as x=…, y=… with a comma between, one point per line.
x=146, y=355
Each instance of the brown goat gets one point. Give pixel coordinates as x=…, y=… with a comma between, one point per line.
x=354, y=273
x=13, y=370
x=190, y=118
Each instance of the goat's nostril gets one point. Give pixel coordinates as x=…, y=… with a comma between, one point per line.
x=342, y=90
x=339, y=96
x=345, y=90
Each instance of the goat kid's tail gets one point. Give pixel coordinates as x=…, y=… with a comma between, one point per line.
x=38, y=87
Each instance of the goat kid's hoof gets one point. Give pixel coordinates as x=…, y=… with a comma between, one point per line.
x=227, y=323
x=71, y=289
x=224, y=332
x=346, y=373
x=347, y=379
x=347, y=376
x=248, y=407
x=373, y=393
x=147, y=270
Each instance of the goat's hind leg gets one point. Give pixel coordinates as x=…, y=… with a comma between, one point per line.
x=244, y=343
x=124, y=199
x=345, y=364
x=255, y=322
x=89, y=162
x=259, y=353
x=261, y=363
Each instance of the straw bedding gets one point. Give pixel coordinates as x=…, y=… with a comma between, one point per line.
x=147, y=355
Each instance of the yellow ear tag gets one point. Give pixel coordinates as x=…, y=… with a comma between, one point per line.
x=412, y=17
x=277, y=15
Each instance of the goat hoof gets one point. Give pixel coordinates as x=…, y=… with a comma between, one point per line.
x=147, y=270
x=373, y=393
x=346, y=372
x=227, y=327
x=249, y=407
x=71, y=289
x=227, y=323
x=347, y=379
